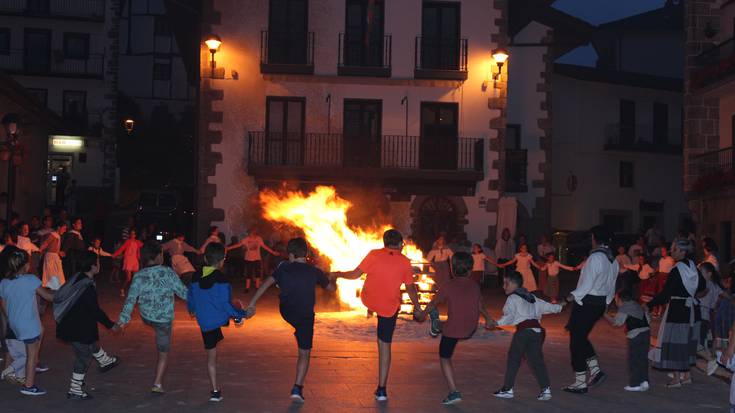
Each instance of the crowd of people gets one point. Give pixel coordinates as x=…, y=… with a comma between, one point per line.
x=53, y=263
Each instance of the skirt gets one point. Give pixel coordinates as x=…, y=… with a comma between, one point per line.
x=676, y=344
x=529, y=282
x=181, y=264
x=52, y=268
x=131, y=264
x=441, y=272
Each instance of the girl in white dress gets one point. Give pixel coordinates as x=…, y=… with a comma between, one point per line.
x=523, y=260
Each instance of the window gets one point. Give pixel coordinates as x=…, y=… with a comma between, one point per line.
x=363, y=43
x=627, y=122
x=75, y=104
x=76, y=45
x=660, y=123
x=439, y=135
x=440, y=45
x=284, y=128
x=362, y=132
x=162, y=71
x=40, y=94
x=616, y=221
x=37, y=51
x=626, y=175
x=512, y=137
x=287, y=32
x=4, y=40
x=160, y=26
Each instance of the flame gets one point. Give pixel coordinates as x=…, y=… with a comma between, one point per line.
x=322, y=216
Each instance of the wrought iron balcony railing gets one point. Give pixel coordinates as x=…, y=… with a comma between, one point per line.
x=437, y=58
x=286, y=52
x=70, y=9
x=322, y=150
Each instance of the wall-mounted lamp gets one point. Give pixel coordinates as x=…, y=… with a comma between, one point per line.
x=213, y=42
x=500, y=56
x=129, y=124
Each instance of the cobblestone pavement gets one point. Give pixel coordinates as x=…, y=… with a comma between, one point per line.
x=256, y=368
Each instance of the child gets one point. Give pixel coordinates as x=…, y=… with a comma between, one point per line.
x=478, y=263
x=523, y=261
x=708, y=302
x=153, y=288
x=130, y=250
x=523, y=310
x=18, y=292
x=209, y=299
x=440, y=259
x=51, y=248
x=638, y=331
x=464, y=301
x=77, y=312
x=647, y=282
x=96, y=248
x=297, y=279
x=552, y=266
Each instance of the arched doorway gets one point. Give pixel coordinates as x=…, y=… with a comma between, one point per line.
x=435, y=215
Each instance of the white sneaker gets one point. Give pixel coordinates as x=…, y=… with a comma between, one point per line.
x=504, y=393
x=711, y=367
x=544, y=395
x=639, y=388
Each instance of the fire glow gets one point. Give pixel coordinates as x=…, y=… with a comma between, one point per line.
x=322, y=216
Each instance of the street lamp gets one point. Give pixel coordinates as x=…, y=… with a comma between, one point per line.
x=500, y=56
x=12, y=130
x=213, y=42
x=129, y=125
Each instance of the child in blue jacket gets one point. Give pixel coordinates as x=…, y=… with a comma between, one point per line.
x=209, y=299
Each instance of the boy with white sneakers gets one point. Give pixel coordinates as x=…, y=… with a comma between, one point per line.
x=524, y=310
x=637, y=328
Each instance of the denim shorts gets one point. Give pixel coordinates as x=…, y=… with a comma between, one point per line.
x=163, y=335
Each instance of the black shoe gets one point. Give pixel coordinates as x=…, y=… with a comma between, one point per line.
x=597, y=379
x=297, y=394
x=83, y=396
x=216, y=396
x=576, y=390
x=108, y=367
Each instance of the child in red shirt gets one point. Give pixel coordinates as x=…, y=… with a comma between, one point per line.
x=464, y=305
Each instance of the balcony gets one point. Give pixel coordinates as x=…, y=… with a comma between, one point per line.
x=516, y=170
x=57, y=65
x=283, y=52
x=642, y=138
x=359, y=58
x=398, y=163
x=717, y=63
x=65, y=9
x=440, y=58
x=714, y=170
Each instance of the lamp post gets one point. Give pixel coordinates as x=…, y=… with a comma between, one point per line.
x=213, y=42
x=10, y=124
x=500, y=56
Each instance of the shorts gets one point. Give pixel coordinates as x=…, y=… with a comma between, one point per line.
x=212, y=337
x=32, y=340
x=163, y=335
x=386, y=327
x=446, y=347
x=303, y=330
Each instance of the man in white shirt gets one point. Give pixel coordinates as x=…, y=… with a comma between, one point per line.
x=595, y=290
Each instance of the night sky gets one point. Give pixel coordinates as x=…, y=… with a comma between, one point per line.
x=598, y=12
x=602, y=11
